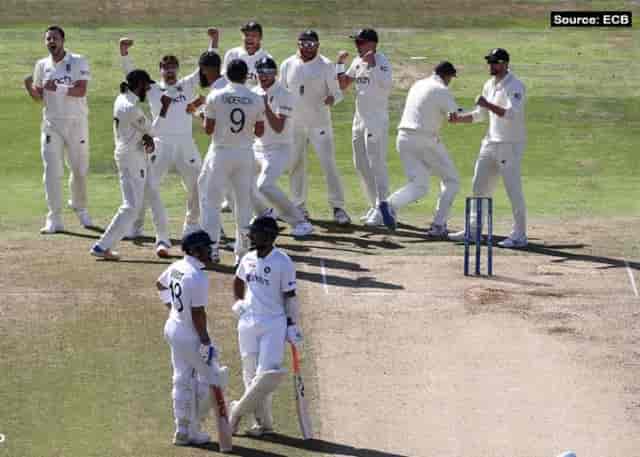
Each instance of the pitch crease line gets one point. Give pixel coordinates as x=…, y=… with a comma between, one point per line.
x=323, y=271
x=632, y=279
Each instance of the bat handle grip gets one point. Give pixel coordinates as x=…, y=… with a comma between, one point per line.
x=296, y=359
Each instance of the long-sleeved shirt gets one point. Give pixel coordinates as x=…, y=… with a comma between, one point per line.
x=130, y=124
x=510, y=94
x=372, y=88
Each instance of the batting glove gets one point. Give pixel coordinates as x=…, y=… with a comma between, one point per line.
x=294, y=336
x=208, y=353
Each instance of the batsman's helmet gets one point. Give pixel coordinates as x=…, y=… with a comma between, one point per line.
x=237, y=71
x=195, y=240
x=266, y=66
x=267, y=225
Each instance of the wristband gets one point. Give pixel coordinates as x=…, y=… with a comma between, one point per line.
x=340, y=68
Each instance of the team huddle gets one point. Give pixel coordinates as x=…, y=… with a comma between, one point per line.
x=261, y=117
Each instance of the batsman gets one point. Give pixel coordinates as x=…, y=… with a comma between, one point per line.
x=268, y=310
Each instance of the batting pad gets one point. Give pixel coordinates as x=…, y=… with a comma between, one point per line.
x=266, y=383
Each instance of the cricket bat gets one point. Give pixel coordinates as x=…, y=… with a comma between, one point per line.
x=301, y=403
x=222, y=419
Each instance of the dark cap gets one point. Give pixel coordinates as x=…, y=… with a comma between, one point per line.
x=209, y=59
x=365, y=35
x=137, y=77
x=264, y=224
x=266, y=65
x=251, y=26
x=445, y=68
x=237, y=71
x=196, y=239
x=497, y=55
x=308, y=35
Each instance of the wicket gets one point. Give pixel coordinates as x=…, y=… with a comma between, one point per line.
x=468, y=238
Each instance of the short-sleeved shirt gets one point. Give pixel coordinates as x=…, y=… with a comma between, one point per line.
x=130, y=124
x=428, y=103
x=267, y=280
x=71, y=68
x=236, y=109
x=189, y=287
x=372, y=88
x=250, y=59
x=311, y=83
x=510, y=94
x=281, y=103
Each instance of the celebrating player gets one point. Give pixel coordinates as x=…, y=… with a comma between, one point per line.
x=311, y=78
x=61, y=82
x=422, y=152
x=267, y=310
x=250, y=52
x=371, y=73
x=503, y=99
x=273, y=150
x=183, y=288
x=134, y=143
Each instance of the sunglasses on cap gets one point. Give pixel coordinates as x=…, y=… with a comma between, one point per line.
x=308, y=44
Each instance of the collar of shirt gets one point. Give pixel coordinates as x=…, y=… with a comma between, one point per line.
x=195, y=263
x=65, y=59
x=504, y=81
x=132, y=97
x=315, y=59
x=437, y=79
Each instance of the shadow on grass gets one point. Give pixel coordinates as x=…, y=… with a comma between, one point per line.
x=324, y=447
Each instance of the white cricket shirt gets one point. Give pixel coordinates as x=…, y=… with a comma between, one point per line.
x=281, y=102
x=311, y=83
x=71, y=68
x=179, y=122
x=428, y=103
x=130, y=124
x=189, y=287
x=236, y=110
x=266, y=281
x=372, y=89
x=509, y=93
x=250, y=59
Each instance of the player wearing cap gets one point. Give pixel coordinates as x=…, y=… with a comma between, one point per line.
x=183, y=288
x=273, y=150
x=371, y=73
x=268, y=310
x=133, y=134
x=250, y=52
x=174, y=146
x=503, y=100
x=311, y=78
x=428, y=104
x=61, y=82
x=233, y=117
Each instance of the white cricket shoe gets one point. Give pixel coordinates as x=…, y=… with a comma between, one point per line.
x=162, y=249
x=437, y=231
x=302, y=229
x=367, y=215
x=51, y=227
x=459, y=236
x=514, y=242
x=198, y=438
x=257, y=430
x=106, y=254
x=341, y=217
x=84, y=218
x=374, y=219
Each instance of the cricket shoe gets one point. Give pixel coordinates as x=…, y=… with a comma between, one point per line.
x=459, y=236
x=162, y=249
x=51, y=227
x=437, y=231
x=374, y=219
x=181, y=439
x=198, y=438
x=214, y=257
x=257, y=431
x=341, y=217
x=514, y=242
x=305, y=212
x=106, y=254
x=302, y=229
x=84, y=218
x=367, y=215
x=388, y=215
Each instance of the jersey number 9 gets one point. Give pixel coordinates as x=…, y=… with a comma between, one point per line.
x=237, y=120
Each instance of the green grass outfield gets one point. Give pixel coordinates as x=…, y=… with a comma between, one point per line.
x=103, y=390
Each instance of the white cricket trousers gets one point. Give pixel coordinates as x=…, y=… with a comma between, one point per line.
x=323, y=143
x=179, y=152
x=225, y=168
x=369, y=144
x=422, y=155
x=272, y=161
x=502, y=159
x=133, y=171
x=58, y=135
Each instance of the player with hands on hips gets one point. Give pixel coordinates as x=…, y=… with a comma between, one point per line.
x=268, y=315
x=60, y=81
x=183, y=287
x=370, y=72
x=273, y=150
x=502, y=100
x=134, y=143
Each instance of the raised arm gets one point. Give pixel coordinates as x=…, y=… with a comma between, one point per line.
x=344, y=80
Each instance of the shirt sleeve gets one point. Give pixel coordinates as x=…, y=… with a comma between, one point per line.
x=332, y=83
x=285, y=106
x=480, y=114
x=199, y=293
x=240, y=271
x=164, y=278
x=351, y=72
x=283, y=74
x=139, y=121
x=37, y=75
x=516, y=96
x=210, y=108
x=84, y=72
x=450, y=105
x=288, y=277
x=192, y=80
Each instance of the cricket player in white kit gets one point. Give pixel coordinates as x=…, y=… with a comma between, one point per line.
x=61, y=82
x=268, y=310
x=370, y=71
x=503, y=99
x=421, y=150
x=233, y=116
x=133, y=134
x=311, y=78
x=273, y=150
x=183, y=288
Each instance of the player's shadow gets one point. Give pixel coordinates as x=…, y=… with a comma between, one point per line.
x=241, y=450
x=342, y=241
x=325, y=447
x=334, y=280
x=334, y=264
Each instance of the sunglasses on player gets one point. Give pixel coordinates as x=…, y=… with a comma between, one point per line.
x=308, y=44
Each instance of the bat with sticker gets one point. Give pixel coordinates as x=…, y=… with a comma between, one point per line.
x=301, y=403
